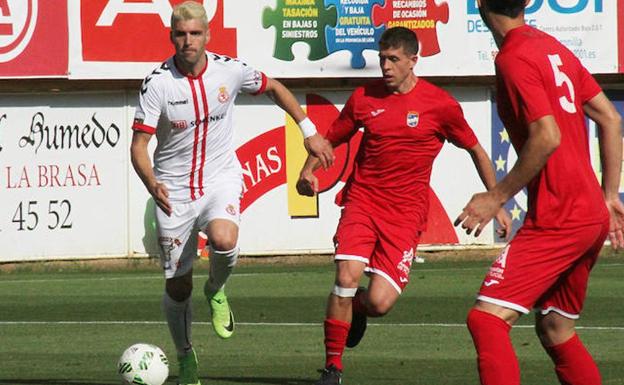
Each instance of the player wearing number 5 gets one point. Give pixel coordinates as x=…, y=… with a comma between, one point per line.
x=543, y=94
x=196, y=180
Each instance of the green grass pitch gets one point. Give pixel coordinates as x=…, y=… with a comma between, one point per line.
x=69, y=326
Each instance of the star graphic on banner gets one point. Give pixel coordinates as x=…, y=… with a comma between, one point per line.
x=515, y=213
x=500, y=163
x=504, y=136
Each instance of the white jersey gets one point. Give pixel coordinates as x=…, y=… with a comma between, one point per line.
x=192, y=119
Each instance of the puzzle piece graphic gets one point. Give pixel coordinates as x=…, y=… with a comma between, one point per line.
x=421, y=16
x=299, y=20
x=354, y=30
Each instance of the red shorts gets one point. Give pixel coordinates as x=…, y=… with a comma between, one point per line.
x=386, y=245
x=545, y=269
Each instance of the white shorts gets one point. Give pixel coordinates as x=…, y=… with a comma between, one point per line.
x=177, y=234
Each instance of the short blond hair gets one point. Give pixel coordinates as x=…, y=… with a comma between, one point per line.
x=189, y=10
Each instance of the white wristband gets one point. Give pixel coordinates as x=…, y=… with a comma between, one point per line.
x=308, y=128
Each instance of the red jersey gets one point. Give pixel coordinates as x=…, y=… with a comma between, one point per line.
x=403, y=133
x=537, y=76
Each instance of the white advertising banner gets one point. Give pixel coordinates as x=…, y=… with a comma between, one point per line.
x=327, y=38
x=63, y=179
x=589, y=28
x=68, y=189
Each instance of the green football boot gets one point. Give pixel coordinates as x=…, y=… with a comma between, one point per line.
x=222, y=317
x=188, y=369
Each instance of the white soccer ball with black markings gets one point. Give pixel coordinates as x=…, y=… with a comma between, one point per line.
x=143, y=364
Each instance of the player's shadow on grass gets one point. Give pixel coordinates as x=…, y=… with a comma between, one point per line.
x=55, y=382
x=262, y=380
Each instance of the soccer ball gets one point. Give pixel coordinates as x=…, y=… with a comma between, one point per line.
x=143, y=364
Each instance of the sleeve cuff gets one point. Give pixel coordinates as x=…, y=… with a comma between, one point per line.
x=143, y=128
x=262, y=86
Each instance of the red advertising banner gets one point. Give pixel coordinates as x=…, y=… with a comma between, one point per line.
x=33, y=38
x=621, y=35
x=138, y=30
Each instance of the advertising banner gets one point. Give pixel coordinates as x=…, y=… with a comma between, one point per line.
x=276, y=220
x=621, y=34
x=124, y=39
x=69, y=191
x=504, y=157
x=63, y=176
x=33, y=38
x=327, y=38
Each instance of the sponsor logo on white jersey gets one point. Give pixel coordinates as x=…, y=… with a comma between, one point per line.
x=177, y=102
x=179, y=124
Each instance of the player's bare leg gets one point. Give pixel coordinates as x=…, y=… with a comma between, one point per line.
x=573, y=363
x=223, y=237
x=376, y=301
x=489, y=326
x=381, y=296
x=338, y=318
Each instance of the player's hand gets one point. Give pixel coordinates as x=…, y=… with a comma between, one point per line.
x=616, y=223
x=160, y=193
x=307, y=184
x=321, y=148
x=504, y=224
x=478, y=212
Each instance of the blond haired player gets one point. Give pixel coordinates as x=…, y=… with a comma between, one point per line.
x=196, y=179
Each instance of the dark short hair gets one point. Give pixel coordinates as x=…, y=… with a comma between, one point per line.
x=397, y=37
x=509, y=8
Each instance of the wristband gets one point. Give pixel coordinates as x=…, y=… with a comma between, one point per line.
x=308, y=128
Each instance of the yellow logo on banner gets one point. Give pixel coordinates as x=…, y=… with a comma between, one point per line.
x=298, y=205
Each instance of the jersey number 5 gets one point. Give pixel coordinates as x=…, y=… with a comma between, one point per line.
x=560, y=79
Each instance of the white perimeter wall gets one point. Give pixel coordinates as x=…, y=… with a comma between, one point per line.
x=78, y=197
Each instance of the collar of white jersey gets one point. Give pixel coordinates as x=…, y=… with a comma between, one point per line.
x=203, y=71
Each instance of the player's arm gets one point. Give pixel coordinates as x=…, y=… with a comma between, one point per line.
x=487, y=175
x=143, y=166
x=308, y=182
x=314, y=143
x=543, y=139
x=341, y=131
x=609, y=123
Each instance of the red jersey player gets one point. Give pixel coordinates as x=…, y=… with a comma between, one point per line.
x=406, y=121
x=543, y=94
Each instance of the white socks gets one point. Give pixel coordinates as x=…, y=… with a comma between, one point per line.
x=221, y=264
x=179, y=320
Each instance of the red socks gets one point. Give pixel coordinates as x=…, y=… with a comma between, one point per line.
x=335, y=339
x=496, y=358
x=573, y=363
x=498, y=364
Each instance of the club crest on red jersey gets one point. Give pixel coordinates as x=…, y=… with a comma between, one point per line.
x=223, y=95
x=412, y=119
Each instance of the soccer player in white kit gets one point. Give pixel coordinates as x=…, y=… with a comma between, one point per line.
x=196, y=179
